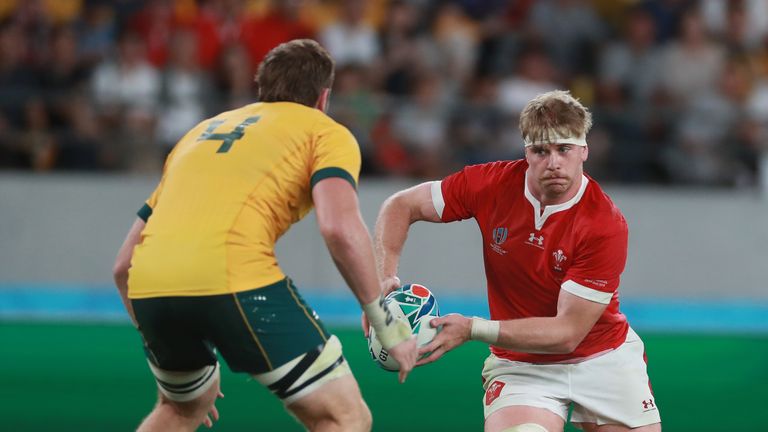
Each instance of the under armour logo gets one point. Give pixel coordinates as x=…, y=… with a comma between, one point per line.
x=539, y=240
x=648, y=404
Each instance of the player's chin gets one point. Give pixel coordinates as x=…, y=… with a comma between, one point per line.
x=556, y=186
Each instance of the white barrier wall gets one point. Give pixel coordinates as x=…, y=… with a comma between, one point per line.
x=683, y=243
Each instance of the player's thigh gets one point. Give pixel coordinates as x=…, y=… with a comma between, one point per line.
x=259, y=330
x=338, y=400
x=506, y=418
x=518, y=393
x=274, y=335
x=614, y=389
x=182, y=361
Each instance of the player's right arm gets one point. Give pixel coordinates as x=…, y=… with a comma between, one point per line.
x=348, y=241
x=397, y=214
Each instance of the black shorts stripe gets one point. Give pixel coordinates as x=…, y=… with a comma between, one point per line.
x=190, y=390
x=280, y=386
x=170, y=386
x=324, y=372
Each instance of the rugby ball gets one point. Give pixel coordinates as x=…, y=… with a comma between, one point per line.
x=418, y=305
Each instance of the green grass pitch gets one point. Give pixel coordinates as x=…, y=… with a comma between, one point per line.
x=63, y=376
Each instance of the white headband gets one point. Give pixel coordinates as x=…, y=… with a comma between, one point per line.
x=555, y=138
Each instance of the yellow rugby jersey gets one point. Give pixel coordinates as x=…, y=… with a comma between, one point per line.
x=230, y=188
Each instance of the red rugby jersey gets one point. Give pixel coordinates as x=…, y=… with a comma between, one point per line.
x=579, y=246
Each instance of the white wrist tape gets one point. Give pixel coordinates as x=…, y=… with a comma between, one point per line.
x=389, y=329
x=484, y=330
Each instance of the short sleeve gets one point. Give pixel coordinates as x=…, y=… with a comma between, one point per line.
x=461, y=192
x=336, y=154
x=598, y=265
x=146, y=210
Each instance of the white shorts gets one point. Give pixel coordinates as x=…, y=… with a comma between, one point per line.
x=612, y=388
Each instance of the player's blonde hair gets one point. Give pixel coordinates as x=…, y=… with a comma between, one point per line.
x=554, y=114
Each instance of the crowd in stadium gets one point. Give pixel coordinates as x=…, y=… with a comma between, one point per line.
x=678, y=88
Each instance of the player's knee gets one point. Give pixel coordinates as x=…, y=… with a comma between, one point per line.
x=358, y=419
x=526, y=427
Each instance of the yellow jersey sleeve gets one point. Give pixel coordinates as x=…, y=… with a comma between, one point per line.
x=336, y=154
x=146, y=210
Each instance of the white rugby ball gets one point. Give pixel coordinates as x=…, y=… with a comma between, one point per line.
x=416, y=303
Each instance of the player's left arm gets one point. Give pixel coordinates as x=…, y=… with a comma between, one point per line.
x=123, y=263
x=560, y=334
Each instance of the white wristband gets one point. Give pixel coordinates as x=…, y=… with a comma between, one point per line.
x=484, y=330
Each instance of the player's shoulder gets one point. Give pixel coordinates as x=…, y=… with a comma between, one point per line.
x=603, y=213
x=493, y=172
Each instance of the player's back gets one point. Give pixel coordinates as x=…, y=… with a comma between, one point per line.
x=231, y=187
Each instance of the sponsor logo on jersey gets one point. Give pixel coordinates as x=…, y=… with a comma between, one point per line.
x=493, y=392
x=500, y=235
x=559, y=259
x=535, y=240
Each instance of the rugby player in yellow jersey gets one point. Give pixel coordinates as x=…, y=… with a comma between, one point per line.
x=197, y=271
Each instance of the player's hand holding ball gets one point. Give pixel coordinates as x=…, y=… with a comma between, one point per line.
x=388, y=284
x=394, y=334
x=456, y=329
x=417, y=306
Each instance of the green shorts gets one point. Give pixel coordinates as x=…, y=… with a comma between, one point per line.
x=255, y=331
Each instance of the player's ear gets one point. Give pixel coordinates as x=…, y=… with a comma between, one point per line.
x=323, y=99
x=584, y=153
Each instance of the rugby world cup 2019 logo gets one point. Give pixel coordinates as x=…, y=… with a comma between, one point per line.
x=500, y=235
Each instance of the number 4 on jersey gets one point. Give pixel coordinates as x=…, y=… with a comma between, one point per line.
x=228, y=138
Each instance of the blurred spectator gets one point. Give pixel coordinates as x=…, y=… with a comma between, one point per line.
x=127, y=83
x=535, y=75
x=66, y=77
x=402, y=58
x=281, y=24
x=457, y=40
x=420, y=123
x=667, y=14
x=354, y=105
x=125, y=91
x=632, y=65
x=234, y=79
x=692, y=64
x=351, y=39
x=743, y=23
x=715, y=136
x=185, y=90
x=96, y=32
x=476, y=126
x=571, y=30
x=155, y=23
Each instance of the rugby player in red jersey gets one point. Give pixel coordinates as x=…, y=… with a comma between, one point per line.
x=554, y=247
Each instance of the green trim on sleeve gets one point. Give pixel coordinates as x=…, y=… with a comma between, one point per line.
x=332, y=172
x=144, y=212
